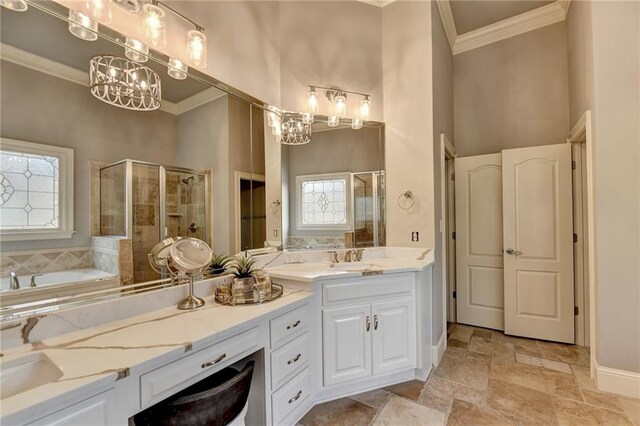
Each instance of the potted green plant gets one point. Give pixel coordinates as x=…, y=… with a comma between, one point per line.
x=219, y=264
x=244, y=281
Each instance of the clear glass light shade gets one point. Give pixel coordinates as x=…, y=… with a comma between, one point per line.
x=82, y=27
x=356, y=124
x=136, y=50
x=98, y=10
x=339, y=106
x=155, y=28
x=271, y=119
x=177, y=69
x=294, y=131
x=312, y=101
x=307, y=117
x=197, y=48
x=15, y=5
x=333, y=121
x=365, y=109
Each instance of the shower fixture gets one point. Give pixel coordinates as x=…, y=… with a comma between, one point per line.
x=187, y=180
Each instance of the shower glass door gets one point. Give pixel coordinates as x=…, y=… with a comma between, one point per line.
x=185, y=206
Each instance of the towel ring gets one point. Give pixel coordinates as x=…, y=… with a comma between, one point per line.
x=409, y=196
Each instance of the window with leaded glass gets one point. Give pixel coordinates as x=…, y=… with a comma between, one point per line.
x=324, y=202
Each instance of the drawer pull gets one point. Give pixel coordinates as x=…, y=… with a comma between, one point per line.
x=294, y=325
x=214, y=362
x=375, y=322
x=295, y=398
x=296, y=359
x=368, y=323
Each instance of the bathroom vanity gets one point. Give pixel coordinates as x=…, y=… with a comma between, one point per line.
x=337, y=330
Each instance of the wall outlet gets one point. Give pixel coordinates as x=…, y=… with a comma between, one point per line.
x=415, y=236
x=275, y=232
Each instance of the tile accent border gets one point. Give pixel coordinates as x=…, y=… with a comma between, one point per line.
x=49, y=260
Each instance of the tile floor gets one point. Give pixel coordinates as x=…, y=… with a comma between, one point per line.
x=487, y=378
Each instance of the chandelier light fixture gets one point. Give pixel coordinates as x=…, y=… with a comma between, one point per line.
x=81, y=26
x=294, y=131
x=339, y=106
x=124, y=83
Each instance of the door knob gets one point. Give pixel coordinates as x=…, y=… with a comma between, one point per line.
x=512, y=252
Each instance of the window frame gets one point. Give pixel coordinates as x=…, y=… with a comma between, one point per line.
x=349, y=203
x=65, y=191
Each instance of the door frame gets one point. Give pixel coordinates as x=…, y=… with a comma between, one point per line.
x=447, y=152
x=582, y=132
x=239, y=176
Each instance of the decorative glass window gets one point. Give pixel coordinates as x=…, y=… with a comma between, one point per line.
x=36, y=191
x=324, y=202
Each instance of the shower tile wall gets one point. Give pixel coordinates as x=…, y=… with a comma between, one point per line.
x=185, y=205
x=112, y=200
x=146, y=219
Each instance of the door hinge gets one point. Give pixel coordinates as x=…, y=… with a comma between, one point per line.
x=455, y=295
x=453, y=176
x=573, y=165
x=575, y=238
x=576, y=311
x=453, y=235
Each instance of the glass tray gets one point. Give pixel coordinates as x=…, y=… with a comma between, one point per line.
x=227, y=299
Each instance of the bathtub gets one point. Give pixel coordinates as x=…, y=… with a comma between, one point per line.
x=52, y=285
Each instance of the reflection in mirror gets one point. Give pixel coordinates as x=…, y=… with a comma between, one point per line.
x=333, y=189
x=191, y=168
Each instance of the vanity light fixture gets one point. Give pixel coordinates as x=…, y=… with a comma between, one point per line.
x=155, y=28
x=124, y=83
x=312, y=106
x=15, y=5
x=197, y=48
x=136, y=50
x=333, y=121
x=338, y=99
x=294, y=131
x=81, y=26
x=98, y=10
x=177, y=69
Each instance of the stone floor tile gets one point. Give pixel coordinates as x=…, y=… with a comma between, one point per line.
x=400, y=411
x=538, y=378
x=631, y=408
x=562, y=367
x=471, y=395
x=520, y=401
x=410, y=390
x=470, y=371
x=492, y=348
x=455, y=343
x=487, y=334
x=571, y=354
x=576, y=413
x=344, y=411
x=523, y=342
x=583, y=377
x=603, y=400
x=438, y=394
x=375, y=398
x=528, y=350
x=462, y=332
x=465, y=414
x=454, y=353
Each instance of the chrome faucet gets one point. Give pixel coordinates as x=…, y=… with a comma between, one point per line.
x=14, y=282
x=33, y=279
x=353, y=255
x=334, y=257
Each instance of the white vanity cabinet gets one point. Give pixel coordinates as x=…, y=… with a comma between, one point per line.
x=97, y=410
x=372, y=328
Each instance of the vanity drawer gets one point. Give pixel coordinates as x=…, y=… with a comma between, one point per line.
x=162, y=382
x=287, y=326
x=400, y=285
x=290, y=396
x=289, y=359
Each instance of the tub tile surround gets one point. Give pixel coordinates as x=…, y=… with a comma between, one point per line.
x=474, y=385
x=114, y=255
x=50, y=260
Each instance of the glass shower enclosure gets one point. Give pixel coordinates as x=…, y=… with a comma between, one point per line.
x=368, y=209
x=147, y=202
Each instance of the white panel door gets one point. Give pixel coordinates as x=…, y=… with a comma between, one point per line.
x=538, y=241
x=394, y=335
x=479, y=274
x=347, y=343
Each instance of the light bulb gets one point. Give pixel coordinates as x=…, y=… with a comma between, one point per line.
x=340, y=105
x=333, y=121
x=82, y=27
x=197, y=48
x=136, y=50
x=307, y=118
x=154, y=25
x=177, y=69
x=365, y=108
x=99, y=10
x=15, y=5
x=356, y=124
x=312, y=101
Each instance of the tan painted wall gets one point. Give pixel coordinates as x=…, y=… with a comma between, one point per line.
x=580, y=59
x=513, y=93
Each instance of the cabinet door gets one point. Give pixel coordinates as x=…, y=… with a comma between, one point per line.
x=347, y=343
x=394, y=335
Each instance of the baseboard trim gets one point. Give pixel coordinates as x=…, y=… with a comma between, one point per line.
x=437, y=351
x=621, y=382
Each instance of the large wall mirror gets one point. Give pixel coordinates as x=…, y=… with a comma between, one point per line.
x=194, y=167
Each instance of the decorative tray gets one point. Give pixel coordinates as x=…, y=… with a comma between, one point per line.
x=225, y=296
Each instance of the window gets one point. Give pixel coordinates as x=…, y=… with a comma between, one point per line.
x=324, y=202
x=36, y=191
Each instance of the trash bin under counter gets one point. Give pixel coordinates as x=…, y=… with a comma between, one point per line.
x=214, y=401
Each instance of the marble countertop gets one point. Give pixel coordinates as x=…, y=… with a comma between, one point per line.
x=92, y=358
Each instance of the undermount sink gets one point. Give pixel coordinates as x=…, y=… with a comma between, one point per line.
x=353, y=266
x=25, y=373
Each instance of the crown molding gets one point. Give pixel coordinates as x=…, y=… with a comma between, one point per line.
x=510, y=27
x=38, y=63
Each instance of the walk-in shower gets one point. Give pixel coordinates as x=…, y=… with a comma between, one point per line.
x=147, y=202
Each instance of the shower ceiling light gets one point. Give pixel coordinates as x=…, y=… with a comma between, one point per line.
x=82, y=27
x=15, y=5
x=294, y=131
x=124, y=83
x=136, y=50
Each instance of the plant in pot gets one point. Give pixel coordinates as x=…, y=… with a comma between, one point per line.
x=219, y=264
x=244, y=281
